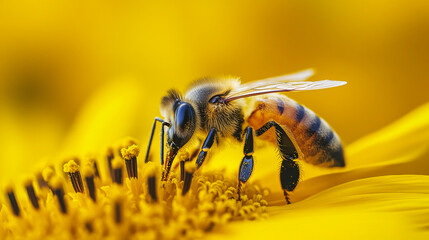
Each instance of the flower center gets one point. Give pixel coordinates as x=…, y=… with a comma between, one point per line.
x=186, y=205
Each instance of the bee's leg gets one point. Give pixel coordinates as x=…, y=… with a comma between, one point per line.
x=208, y=143
x=164, y=123
x=289, y=171
x=246, y=166
x=182, y=164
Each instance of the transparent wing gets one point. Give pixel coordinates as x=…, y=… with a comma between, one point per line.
x=264, y=87
x=293, y=77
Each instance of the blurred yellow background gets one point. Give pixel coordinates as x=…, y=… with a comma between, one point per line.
x=78, y=75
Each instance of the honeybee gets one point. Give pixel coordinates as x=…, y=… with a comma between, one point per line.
x=215, y=109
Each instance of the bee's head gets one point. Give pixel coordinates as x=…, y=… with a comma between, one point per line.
x=183, y=121
x=183, y=126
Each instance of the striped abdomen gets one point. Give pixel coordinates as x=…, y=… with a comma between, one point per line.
x=314, y=139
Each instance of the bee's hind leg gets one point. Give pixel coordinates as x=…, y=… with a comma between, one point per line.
x=289, y=171
x=246, y=166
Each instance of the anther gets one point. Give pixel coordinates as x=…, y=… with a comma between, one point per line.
x=189, y=173
x=72, y=169
x=118, y=203
x=130, y=154
x=31, y=193
x=12, y=200
x=90, y=185
x=109, y=156
x=88, y=219
x=182, y=170
x=58, y=190
x=93, y=163
x=40, y=181
x=118, y=214
x=183, y=157
x=88, y=226
x=150, y=174
x=117, y=171
x=47, y=174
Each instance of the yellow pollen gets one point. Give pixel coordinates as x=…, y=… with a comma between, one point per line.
x=71, y=167
x=130, y=152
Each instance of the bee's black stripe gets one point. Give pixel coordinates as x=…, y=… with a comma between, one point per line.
x=328, y=138
x=315, y=126
x=338, y=156
x=280, y=105
x=300, y=112
x=324, y=139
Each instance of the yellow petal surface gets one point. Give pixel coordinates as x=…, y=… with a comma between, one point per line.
x=387, y=207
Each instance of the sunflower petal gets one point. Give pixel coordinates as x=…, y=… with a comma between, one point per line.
x=386, y=207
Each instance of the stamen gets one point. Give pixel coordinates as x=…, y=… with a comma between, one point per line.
x=130, y=156
x=117, y=171
x=118, y=202
x=58, y=190
x=150, y=174
x=12, y=200
x=31, y=193
x=118, y=214
x=93, y=163
x=40, y=181
x=189, y=173
x=183, y=157
x=182, y=170
x=88, y=226
x=72, y=169
x=87, y=220
x=90, y=185
x=47, y=174
x=109, y=156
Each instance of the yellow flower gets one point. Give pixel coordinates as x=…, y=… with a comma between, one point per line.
x=381, y=194
x=53, y=55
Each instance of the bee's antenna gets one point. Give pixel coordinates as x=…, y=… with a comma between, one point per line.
x=164, y=123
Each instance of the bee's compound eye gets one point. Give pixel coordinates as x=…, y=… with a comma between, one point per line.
x=216, y=99
x=185, y=116
x=176, y=104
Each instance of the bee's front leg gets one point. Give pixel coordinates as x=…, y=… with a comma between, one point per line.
x=163, y=124
x=246, y=166
x=208, y=143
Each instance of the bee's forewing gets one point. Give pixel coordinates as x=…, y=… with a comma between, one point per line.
x=263, y=87
x=295, y=77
